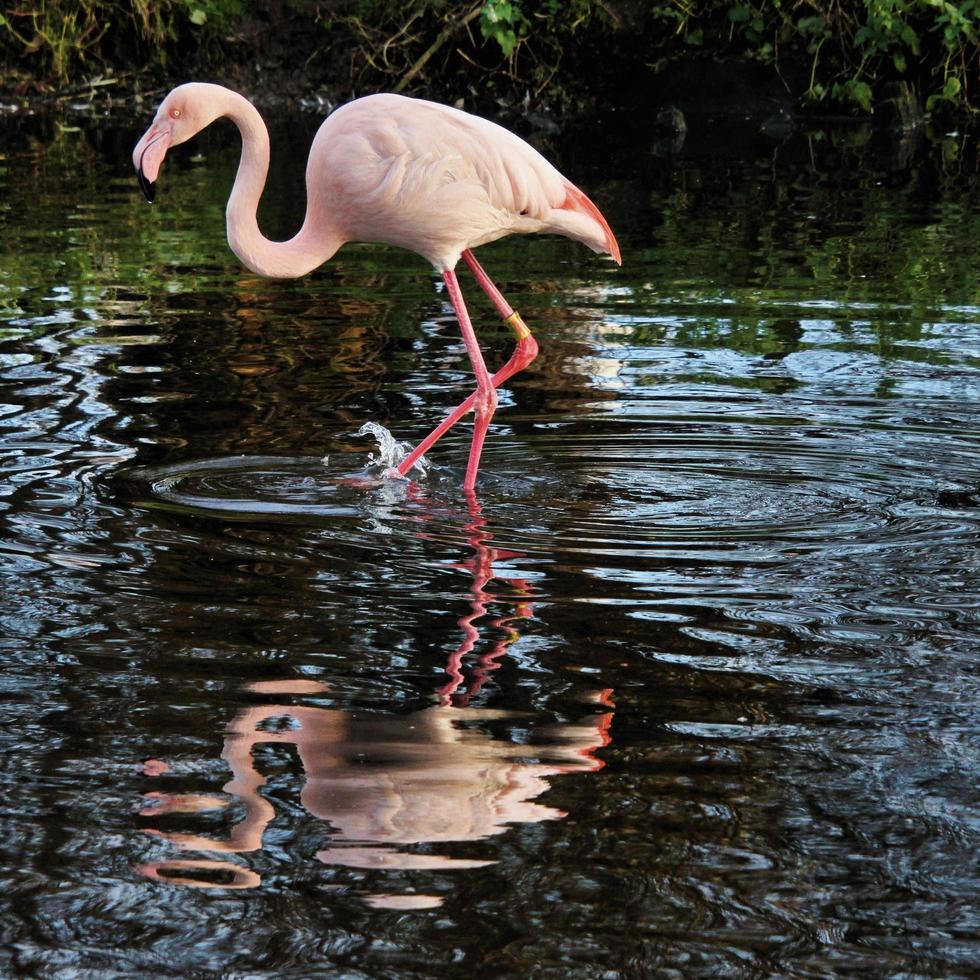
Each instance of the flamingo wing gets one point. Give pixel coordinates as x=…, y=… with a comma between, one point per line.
x=438, y=180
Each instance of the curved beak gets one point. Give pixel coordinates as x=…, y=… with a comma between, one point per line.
x=148, y=155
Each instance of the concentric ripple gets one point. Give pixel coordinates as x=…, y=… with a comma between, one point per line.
x=275, y=487
x=246, y=487
x=834, y=493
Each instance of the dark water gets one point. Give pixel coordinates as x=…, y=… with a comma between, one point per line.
x=689, y=690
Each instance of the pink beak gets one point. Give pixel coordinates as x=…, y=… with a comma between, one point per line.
x=148, y=156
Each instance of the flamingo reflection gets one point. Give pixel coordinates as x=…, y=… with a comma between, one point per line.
x=461, y=688
x=392, y=788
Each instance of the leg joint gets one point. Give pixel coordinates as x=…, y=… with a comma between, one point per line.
x=517, y=324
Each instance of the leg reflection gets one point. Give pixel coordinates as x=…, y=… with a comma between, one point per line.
x=460, y=690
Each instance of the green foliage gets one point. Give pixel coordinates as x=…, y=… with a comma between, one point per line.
x=54, y=40
x=855, y=48
x=506, y=23
x=852, y=50
x=61, y=33
x=503, y=22
x=217, y=14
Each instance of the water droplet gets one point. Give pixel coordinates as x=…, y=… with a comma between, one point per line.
x=390, y=451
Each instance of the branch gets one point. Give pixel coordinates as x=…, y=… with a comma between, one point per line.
x=447, y=32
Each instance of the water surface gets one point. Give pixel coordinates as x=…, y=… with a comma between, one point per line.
x=689, y=687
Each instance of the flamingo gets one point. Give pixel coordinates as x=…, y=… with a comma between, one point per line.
x=399, y=171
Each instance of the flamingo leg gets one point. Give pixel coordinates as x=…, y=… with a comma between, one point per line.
x=527, y=347
x=486, y=394
x=525, y=352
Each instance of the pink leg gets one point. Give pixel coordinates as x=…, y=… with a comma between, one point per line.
x=527, y=347
x=486, y=394
x=524, y=353
x=488, y=285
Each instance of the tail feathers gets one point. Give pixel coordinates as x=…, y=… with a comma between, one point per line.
x=577, y=202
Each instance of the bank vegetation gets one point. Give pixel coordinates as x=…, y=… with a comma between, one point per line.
x=831, y=56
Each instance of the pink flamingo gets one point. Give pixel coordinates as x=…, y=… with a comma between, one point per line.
x=400, y=171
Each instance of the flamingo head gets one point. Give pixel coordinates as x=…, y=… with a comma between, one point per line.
x=182, y=114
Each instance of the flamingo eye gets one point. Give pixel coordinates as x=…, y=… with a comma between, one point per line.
x=175, y=113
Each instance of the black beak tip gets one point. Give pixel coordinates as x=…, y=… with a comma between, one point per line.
x=149, y=188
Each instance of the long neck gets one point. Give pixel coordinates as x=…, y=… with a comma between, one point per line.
x=315, y=242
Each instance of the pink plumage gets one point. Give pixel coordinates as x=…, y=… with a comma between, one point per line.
x=399, y=171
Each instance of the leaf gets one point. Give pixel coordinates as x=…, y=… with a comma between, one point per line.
x=199, y=17
x=812, y=25
x=860, y=92
x=507, y=43
x=856, y=91
x=909, y=38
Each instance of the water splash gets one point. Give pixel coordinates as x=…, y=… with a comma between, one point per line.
x=390, y=451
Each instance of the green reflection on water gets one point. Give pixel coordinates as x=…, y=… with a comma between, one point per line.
x=719, y=253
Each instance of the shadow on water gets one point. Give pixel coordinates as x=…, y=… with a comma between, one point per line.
x=690, y=688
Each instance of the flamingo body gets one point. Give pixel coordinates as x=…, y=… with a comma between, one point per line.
x=399, y=171
x=438, y=181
